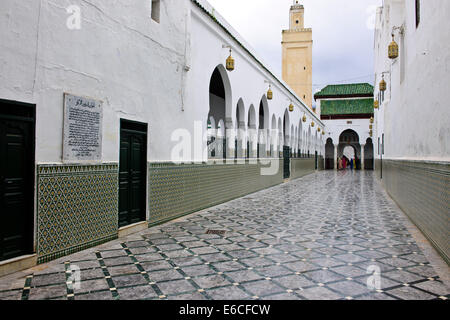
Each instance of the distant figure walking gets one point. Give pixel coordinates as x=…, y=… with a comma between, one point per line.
x=351, y=164
x=344, y=162
x=339, y=163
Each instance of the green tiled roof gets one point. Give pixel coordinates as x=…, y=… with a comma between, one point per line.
x=353, y=106
x=353, y=89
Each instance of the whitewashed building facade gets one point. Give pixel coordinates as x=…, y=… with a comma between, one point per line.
x=104, y=117
x=412, y=123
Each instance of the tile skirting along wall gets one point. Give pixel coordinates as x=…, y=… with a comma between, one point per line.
x=77, y=208
x=301, y=167
x=422, y=191
x=77, y=205
x=177, y=190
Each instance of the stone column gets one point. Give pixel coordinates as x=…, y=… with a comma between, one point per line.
x=229, y=134
x=335, y=156
x=362, y=157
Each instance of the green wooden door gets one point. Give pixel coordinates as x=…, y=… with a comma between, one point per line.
x=286, y=162
x=16, y=184
x=132, y=175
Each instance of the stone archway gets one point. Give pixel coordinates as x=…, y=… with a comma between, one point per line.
x=349, y=138
x=219, y=108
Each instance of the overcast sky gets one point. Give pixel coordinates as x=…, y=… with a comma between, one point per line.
x=342, y=34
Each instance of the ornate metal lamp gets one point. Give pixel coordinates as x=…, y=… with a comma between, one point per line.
x=393, y=49
x=230, y=62
x=269, y=93
x=383, y=84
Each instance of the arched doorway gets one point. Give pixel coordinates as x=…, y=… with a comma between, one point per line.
x=273, y=138
x=241, y=129
x=368, y=155
x=263, y=136
x=349, y=138
x=251, y=133
x=219, y=108
x=329, y=154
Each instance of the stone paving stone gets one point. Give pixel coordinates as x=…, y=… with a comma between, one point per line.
x=156, y=265
x=263, y=287
x=228, y=293
x=402, y=276
x=410, y=293
x=323, y=276
x=349, y=288
x=294, y=282
x=11, y=295
x=165, y=275
x=89, y=264
x=121, y=270
x=319, y=293
x=175, y=287
x=282, y=296
x=319, y=237
x=103, y=295
x=89, y=274
x=49, y=292
x=435, y=287
x=188, y=296
x=129, y=280
x=244, y=276
x=198, y=270
x=212, y=281
x=137, y=293
x=44, y=280
x=273, y=271
x=92, y=285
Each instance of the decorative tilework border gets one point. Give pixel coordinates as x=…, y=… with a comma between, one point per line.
x=50, y=169
x=422, y=190
x=75, y=249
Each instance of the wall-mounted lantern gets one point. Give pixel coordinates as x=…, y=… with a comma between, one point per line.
x=370, y=127
x=371, y=120
x=269, y=93
x=318, y=129
x=393, y=49
x=383, y=84
x=304, y=118
x=376, y=104
x=230, y=60
x=313, y=124
x=291, y=107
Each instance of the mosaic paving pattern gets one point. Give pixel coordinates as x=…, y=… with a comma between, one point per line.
x=311, y=238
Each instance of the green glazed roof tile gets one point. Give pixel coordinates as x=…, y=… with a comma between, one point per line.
x=353, y=106
x=352, y=89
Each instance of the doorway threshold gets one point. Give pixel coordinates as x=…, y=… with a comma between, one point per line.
x=133, y=228
x=17, y=264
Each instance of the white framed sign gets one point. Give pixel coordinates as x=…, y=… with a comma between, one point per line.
x=83, y=125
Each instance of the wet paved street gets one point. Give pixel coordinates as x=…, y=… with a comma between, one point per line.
x=311, y=238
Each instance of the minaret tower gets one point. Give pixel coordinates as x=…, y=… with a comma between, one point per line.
x=297, y=54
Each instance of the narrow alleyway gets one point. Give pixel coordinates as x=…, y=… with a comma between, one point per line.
x=319, y=237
